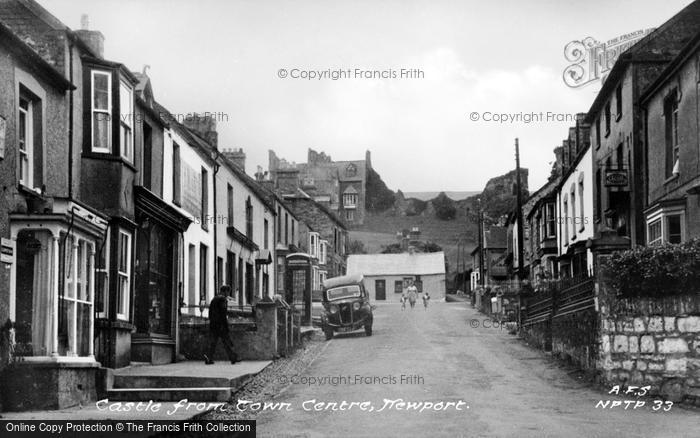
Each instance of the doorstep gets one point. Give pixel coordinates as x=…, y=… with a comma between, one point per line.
x=165, y=385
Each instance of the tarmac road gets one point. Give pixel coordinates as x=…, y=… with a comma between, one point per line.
x=506, y=388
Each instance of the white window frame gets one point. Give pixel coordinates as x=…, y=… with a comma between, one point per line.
x=323, y=253
x=107, y=112
x=350, y=200
x=661, y=216
x=582, y=217
x=123, y=297
x=656, y=222
x=572, y=198
x=565, y=205
x=105, y=272
x=313, y=244
x=78, y=270
x=26, y=155
x=126, y=122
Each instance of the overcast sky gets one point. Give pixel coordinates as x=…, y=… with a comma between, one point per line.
x=488, y=56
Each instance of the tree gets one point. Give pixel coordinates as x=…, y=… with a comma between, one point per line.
x=356, y=247
x=444, y=207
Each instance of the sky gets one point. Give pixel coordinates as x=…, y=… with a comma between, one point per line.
x=226, y=57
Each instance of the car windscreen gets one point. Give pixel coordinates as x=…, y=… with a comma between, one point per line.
x=338, y=293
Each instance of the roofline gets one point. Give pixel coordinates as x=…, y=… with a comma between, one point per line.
x=31, y=59
x=628, y=57
x=675, y=65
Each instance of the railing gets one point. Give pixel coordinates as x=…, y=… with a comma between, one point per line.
x=559, y=297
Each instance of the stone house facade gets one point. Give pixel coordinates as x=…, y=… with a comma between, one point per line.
x=50, y=234
x=617, y=133
x=671, y=113
x=327, y=236
x=341, y=186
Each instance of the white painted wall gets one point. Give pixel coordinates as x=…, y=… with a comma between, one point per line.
x=577, y=232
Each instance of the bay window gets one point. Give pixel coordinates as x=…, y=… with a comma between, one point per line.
x=666, y=225
x=101, y=94
x=126, y=122
x=75, y=299
x=551, y=220
x=123, y=274
x=102, y=280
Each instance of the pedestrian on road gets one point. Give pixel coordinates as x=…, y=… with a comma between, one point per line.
x=403, y=300
x=426, y=299
x=218, y=326
x=412, y=294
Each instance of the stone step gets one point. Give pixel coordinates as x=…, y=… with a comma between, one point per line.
x=170, y=394
x=151, y=381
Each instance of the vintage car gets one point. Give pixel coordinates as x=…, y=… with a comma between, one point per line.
x=346, y=306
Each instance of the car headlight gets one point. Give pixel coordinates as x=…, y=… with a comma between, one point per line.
x=356, y=306
x=333, y=309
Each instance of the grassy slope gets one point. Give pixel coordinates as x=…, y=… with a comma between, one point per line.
x=380, y=230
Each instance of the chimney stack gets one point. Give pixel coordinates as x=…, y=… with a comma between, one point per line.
x=205, y=126
x=236, y=156
x=91, y=38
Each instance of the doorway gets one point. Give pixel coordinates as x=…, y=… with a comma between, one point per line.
x=380, y=290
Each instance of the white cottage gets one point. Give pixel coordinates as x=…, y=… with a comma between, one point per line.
x=387, y=275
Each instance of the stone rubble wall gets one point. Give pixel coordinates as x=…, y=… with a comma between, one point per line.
x=652, y=341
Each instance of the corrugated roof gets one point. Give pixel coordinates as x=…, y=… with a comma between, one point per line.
x=397, y=264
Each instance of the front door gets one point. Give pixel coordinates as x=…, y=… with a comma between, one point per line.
x=380, y=289
x=154, y=286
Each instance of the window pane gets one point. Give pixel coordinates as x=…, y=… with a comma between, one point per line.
x=100, y=83
x=125, y=102
x=83, y=329
x=122, y=294
x=674, y=228
x=100, y=126
x=654, y=231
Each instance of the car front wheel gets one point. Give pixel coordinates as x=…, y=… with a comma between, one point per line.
x=368, y=329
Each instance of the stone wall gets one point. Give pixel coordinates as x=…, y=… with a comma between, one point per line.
x=652, y=341
x=629, y=341
x=256, y=340
x=574, y=338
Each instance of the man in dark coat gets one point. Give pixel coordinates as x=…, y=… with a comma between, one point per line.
x=218, y=326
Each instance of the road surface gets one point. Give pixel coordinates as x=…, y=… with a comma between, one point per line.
x=506, y=388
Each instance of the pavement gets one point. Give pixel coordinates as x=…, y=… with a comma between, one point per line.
x=153, y=410
x=485, y=382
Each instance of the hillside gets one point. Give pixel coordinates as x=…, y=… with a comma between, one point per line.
x=381, y=226
x=427, y=196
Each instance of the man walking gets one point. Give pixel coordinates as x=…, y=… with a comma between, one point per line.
x=218, y=326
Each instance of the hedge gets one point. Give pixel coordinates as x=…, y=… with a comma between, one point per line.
x=655, y=270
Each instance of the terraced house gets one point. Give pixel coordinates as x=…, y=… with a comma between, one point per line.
x=120, y=217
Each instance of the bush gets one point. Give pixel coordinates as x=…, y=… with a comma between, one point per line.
x=656, y=270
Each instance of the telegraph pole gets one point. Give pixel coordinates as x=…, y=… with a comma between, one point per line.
x=519, y=212
x=481, y=244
